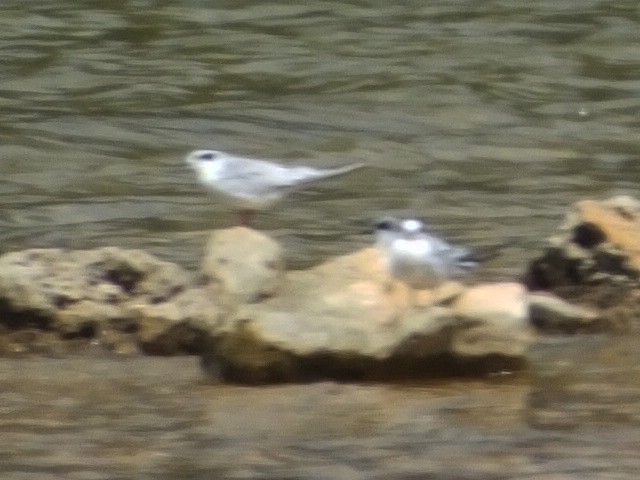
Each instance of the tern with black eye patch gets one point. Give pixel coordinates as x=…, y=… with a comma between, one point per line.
x=248, y=185
x=416, y=256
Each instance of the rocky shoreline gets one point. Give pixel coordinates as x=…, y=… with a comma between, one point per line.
x=346, y=319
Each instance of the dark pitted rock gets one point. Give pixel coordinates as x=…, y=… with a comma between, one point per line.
x=345, y=320
x=99, y=294
x=594, y=261
x=247, y=264
x=598, y=242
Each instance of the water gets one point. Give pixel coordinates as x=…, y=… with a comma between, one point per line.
x=488, y=118
x=574, y=416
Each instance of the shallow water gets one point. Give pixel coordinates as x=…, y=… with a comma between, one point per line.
x=575, y=415
x=487, y=118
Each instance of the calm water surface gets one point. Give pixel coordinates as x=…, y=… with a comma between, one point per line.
x=486, y=117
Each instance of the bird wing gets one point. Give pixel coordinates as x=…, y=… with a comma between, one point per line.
x=460, y=256
x=260, y=176
x=256, y=177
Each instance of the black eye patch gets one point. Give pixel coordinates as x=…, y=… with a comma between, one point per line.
x=207, y=156
x=386, y=225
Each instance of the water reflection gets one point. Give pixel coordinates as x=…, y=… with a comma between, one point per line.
x=574, y=412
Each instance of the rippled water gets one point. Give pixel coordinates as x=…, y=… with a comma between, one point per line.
x=487, y=118
x=574, y=417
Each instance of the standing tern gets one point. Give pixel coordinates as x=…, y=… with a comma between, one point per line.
x=249, y=185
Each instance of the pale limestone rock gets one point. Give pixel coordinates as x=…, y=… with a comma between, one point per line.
x=247, y=264
x=184, y=324
x=619, y=221
x=94, y=292
x=499, y=320
x=345, y=319
x=444, y=293
x=550, y=312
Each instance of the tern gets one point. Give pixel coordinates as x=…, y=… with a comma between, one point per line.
x=416, y=256
x=250, y=185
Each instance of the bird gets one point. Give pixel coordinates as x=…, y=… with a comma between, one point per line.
x=416, y=256
x=250, y=185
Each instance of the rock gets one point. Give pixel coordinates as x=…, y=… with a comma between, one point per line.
x=87, y=294
x=443, y=294
x=179, y=325
x=344, y=319
x=617, y=222
x=551, y=313
x=498, y=316
x=594, y=261
x=246, y=263
x=598, y=241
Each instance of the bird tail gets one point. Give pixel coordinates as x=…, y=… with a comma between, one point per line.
x=300, y=175
x=332, y=172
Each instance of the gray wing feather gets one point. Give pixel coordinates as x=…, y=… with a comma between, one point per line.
x=458, y=258
x=260, y=177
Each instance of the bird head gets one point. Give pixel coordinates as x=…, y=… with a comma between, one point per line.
x=201, y=158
